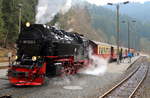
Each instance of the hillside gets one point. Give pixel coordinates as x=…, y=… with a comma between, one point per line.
x=78, y=20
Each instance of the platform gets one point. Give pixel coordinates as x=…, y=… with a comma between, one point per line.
x=123, y=66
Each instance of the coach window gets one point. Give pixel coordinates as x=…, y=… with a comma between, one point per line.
x=103, y=50
x=99, y=50
x=106, y=50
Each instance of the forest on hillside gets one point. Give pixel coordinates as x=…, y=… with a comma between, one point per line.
x=9, y=18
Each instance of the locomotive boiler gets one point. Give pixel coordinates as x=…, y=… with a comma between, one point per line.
x=43, y=51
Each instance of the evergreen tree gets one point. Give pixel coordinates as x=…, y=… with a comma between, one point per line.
x=7, y=11
x=1, y=26
x=10, y=17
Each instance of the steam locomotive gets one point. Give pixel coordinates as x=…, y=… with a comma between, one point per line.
x=43, y=51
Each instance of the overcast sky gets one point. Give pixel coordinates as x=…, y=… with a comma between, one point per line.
x=104, y=2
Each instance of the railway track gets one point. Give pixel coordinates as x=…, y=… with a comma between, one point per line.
x=128, y=86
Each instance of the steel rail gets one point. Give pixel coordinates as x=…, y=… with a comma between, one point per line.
x=139, y=83
x=125, y=79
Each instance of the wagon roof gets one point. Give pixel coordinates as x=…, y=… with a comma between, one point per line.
x=106, y=44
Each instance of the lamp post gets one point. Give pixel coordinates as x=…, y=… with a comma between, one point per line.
x=20, y=14
x=128, y=24
x=118, y=28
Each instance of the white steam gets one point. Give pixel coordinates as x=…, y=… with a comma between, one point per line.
x=70, y=30
x=66, y=7
x=47, y=9
x=57, y=25
x=97, y=66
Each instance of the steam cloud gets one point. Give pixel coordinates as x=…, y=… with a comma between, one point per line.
x=47, y=9
x=98, y=65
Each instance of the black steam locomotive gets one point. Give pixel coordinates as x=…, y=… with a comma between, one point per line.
x=45, y=51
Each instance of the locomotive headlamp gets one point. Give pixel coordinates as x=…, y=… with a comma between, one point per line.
x=16, y=57
x=58, y=63
x=34, y=58
x=28, y=24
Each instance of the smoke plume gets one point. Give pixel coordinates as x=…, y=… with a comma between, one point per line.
x=97, y=66
x=47, y=9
